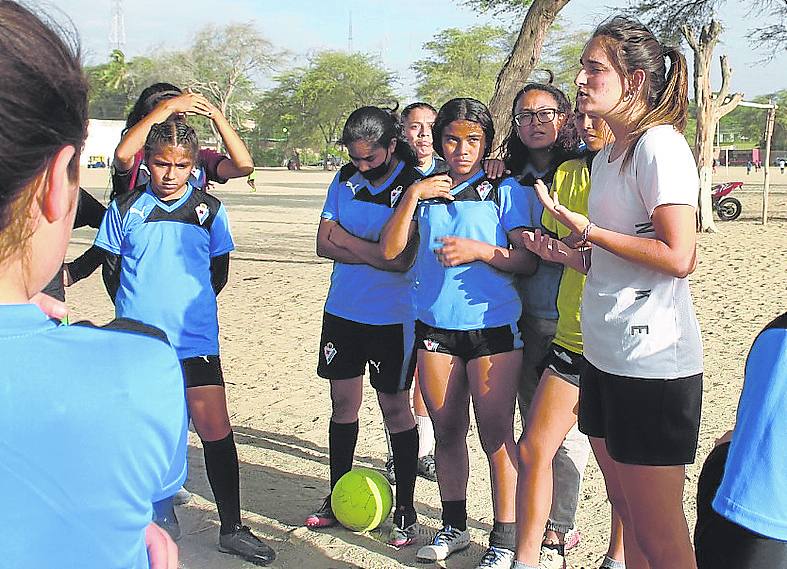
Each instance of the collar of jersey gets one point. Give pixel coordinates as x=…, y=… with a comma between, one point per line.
x=384, y=186
x=23, y=319
x=528, y=169
x=472, y=180
x=430, y=169
x=165, y=205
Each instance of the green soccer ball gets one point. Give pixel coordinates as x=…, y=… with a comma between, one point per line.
x=361, y=499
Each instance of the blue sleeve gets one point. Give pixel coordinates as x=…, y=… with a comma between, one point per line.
x=330, y=210
x=220, y=235
x=110, y=233
x=514, y=205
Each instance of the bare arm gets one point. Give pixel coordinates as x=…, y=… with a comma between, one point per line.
x=134, y=138
x=370, y=252
x=556, y=251
x=240, y=163
x=400, y=228
x=363, y=253
x=672, y=251
x=459, y=251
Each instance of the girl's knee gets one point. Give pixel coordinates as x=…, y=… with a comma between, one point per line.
x=531, y=454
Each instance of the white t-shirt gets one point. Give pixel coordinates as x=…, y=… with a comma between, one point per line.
x=638, y=322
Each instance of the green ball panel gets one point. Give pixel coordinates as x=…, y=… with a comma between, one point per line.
x=362, y=499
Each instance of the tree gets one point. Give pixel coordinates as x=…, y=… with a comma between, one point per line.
x=461, y=63
x=312, y=102
x=525, y=54
x=224, y=63
x=562, y=50
x=710, y=108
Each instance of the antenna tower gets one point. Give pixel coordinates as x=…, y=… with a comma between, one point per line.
x=350, y=34
x=117, y=31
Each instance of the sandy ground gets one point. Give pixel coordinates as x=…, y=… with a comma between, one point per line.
x=270, y=322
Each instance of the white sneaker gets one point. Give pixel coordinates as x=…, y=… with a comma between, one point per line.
x=447, y=541
x=551, y=559
x=496, y=558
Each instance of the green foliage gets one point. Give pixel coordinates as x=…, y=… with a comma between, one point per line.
x=562, y=51
x=751, y=122
x=462, y=63
x=309, y=105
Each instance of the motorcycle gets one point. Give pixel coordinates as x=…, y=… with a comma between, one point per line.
x=726, y=207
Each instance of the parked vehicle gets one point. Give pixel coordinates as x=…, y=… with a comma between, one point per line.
x=727, y=208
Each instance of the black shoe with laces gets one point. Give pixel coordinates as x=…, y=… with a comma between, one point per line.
x=243, y=543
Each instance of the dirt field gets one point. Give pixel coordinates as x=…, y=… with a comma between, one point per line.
x=270, y=322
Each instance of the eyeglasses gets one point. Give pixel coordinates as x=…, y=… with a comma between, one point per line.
x=543, y=116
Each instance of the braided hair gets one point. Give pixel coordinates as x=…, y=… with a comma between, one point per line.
x=173, y=132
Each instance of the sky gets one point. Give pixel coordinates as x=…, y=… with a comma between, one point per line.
x=394, y=31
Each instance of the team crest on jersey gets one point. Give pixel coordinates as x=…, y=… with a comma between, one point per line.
x=483, y=189
x=329, y=351
x=431, y=345
x=203, y=211
x=395, y=193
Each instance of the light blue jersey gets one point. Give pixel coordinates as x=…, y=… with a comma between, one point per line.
x=165, y=251
x=475, y=295
x=539, y=290
x=753, y=492
x=360, y=292
x=93, y=430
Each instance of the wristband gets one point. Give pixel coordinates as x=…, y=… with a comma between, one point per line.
x=586, y=233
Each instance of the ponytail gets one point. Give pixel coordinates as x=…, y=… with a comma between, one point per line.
x=632, y=46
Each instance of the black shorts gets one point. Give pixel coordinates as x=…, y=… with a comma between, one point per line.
x=347, y=346
x=567, y=365
x=652, y=422
x=468, y=344
x=720, y=543
x=200, y=371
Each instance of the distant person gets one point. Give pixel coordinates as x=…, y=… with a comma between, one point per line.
x=748, y=167
x=781, y=166
x=742, y=490
x=250, y=180
x=92, y=420
x=715, y=163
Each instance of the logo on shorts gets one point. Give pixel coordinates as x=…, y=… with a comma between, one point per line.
x=329, y=351
x=375, y=364
x=431, y=345
x=395, y=193
x=483, y=189
x=203, y=211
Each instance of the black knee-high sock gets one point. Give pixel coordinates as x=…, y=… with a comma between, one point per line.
x=405, y=456
x=221, y=462
x=455, y=514
x=342, y=438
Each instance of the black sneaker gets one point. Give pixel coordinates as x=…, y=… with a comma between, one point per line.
x=390, y=474
x=243, y=543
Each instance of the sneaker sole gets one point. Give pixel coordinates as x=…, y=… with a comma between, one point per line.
x=255, y=560
x=429, y=559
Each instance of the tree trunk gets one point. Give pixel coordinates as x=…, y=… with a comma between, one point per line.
x=523, y=59
x=709, y=110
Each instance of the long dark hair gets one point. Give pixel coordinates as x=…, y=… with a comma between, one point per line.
x=517, y=155
x=463, y=109
x=43, y=107
x=148, y=99
x=379, y=126
x=630, y=45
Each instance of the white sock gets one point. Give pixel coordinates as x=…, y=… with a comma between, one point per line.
x=520, y=565
x=610, y=563
x=425, y=435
